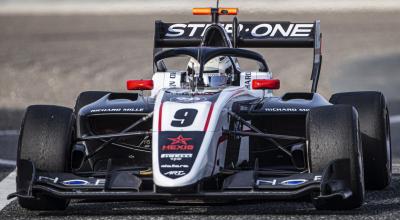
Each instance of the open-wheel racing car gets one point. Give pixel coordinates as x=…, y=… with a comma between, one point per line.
x=210, y=132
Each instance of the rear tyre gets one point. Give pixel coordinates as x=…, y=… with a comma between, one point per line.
x=88, y=97
x=375, y=128
x=45, y=139
x=333, y=133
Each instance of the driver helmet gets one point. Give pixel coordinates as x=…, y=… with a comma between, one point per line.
x=216, y=73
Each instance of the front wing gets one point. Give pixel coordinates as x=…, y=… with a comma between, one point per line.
x=130, y=185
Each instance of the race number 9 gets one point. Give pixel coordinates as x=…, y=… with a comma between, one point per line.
x=184, y=117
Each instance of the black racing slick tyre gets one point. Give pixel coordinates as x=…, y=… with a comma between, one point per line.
x=45, y=140
x=333, y=134
x=88, y=97
x=375, y=132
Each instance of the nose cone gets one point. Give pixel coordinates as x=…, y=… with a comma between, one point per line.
x=177, y=152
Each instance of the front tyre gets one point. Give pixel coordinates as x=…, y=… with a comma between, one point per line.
x=333, y=134
x=375, y=129
x=45, y=139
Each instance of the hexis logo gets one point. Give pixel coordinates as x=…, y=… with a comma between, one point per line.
x=179, y=140
x=179, y=143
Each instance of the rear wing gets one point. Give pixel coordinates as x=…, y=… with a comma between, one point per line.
x=251, y=34
x=246, y=35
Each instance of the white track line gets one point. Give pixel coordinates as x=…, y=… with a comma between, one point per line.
x=9, y=132
x=7, y=186
x=7, y=162
x=394, y=119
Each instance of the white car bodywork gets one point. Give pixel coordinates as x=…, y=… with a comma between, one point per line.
x=212, y=117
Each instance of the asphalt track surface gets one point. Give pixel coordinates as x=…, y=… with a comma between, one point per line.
x=50, y=59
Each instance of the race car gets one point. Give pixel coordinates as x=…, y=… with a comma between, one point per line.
x=210, y=131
